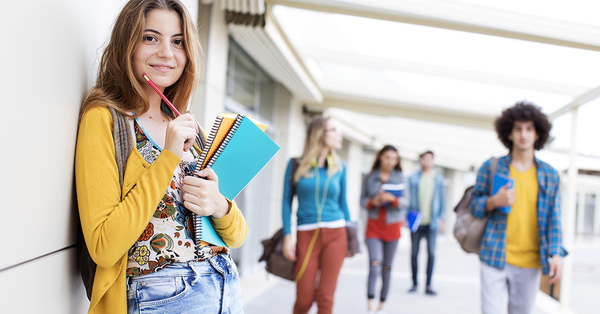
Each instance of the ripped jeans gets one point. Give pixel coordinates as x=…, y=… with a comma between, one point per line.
x=210, y=286
x=381, y=257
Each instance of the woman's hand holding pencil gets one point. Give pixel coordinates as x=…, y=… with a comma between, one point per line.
x=181, y=134
x=177, y=134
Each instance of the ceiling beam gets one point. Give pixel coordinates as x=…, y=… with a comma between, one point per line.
x=360, y=60
x=579, y=101
x=403, y=109
x=464, y=17
x=268, y=47
x=412, y=138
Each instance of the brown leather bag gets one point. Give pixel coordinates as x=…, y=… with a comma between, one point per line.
x=353, y=247
x=277, y=264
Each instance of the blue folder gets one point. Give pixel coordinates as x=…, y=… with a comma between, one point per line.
x=395, y=189
x=501, y=180
x=240, y=160
x=413, y=218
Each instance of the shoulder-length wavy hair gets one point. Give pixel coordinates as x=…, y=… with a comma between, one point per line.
x=116, y=85
x=377, y=162
x=523, y=111
x=313, y=144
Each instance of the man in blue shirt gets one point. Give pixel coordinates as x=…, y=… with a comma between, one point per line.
x=426, y=189
x=527, y=236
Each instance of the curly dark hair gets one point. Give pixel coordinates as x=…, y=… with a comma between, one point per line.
x=523, y=111
x=377, y=162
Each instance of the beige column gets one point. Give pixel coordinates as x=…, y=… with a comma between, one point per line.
x=596, y=230
x=568, y=213
x=354, y=178
x=210, y=95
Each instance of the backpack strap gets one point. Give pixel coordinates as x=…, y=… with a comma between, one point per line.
x=493, y=169
x=123, y=141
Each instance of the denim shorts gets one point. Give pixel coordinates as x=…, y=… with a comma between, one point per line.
x=211, y=286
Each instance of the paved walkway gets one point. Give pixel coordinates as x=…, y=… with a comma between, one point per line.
x=456, y=279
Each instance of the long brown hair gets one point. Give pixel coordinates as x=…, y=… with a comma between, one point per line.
x=313, y=143
x=116, y=85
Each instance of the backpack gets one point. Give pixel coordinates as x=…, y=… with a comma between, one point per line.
x=468, y=229
x=123, y=146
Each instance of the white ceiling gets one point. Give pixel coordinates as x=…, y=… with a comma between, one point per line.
x=433, y=74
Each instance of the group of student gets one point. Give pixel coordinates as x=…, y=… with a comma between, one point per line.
x=423, y=192
x=515, y=245
x=137, y=223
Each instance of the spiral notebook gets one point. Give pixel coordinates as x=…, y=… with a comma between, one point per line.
x=237, y=156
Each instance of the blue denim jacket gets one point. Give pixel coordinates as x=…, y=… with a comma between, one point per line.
x=493, y=243
x=437, y=204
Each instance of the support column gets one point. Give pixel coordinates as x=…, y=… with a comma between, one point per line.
x=568, y=213
x=596, y=230
x=354, y=178
x=209, y=100
x=580, y=212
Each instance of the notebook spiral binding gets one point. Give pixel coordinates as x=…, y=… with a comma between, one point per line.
x=226, y=140
x=197, y=220
x=209, y=142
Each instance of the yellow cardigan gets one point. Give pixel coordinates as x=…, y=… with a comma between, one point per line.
x=113, y=219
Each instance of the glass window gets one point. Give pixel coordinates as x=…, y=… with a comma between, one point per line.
x=249, y=89
x=243, y=83
x=267, y=97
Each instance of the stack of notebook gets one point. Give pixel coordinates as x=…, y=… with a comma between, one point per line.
x=237, y=148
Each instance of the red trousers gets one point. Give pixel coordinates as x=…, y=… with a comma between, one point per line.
x=320, y=277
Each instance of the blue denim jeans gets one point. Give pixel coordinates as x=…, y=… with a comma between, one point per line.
x=211, y=286
x=430, y=235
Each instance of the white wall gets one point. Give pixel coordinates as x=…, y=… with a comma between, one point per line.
x=49, y=60
x=289, y=121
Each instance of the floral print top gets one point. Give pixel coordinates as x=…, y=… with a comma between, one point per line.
x=168, y=237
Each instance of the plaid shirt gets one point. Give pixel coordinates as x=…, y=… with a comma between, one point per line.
x=493, y=244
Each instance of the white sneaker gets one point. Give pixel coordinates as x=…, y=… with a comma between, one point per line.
x=379, y=312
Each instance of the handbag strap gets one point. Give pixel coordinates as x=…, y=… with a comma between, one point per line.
x=319, y=202
x=295, y=164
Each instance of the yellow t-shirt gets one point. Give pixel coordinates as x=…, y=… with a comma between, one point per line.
x=522, y=240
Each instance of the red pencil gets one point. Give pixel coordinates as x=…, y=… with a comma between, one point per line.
x=161, y=95
x=167, y=101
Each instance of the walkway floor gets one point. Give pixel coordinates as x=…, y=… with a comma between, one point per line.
x=456, y=279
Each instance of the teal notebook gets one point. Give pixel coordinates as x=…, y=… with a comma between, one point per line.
x=241, y=155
